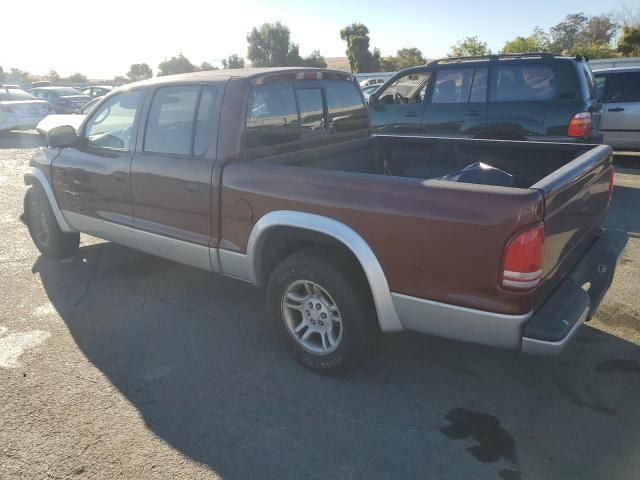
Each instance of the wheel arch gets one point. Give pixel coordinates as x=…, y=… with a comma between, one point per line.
x=332, y=230
x=34, y=176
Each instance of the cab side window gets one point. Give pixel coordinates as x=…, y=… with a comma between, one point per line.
x=453, y=85
x=347, y=112
x=523, y=83
x=110, y=125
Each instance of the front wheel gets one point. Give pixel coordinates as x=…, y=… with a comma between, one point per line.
x=43, y=226
x=321, y=311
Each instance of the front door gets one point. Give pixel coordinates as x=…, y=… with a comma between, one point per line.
x=92, y=178
x=398, y=107
x=620, y=121
x=171, y=173
x=457, y=105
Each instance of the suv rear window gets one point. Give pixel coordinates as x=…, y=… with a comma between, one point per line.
x=523, y=83
x=347, y=112
x=272, y=116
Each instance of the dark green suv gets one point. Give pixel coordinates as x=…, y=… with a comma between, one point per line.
x=535, y=96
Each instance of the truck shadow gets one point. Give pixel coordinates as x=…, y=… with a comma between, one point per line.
x=20, y=139
x=194, y=354
x=624, y=212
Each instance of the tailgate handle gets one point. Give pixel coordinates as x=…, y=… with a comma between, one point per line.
x=616, y=109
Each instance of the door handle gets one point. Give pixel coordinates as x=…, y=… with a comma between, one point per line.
x=616, y=109
x=120, y=177
x=410, y=114
x=474, y=113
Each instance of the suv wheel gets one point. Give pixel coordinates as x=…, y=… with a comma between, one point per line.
x=43, y=226
x=320, y=311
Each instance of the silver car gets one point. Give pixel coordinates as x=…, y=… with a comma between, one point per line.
x=21, y=110
x=619, y=90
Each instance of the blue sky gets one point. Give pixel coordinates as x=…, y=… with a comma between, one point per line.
x=68, y=36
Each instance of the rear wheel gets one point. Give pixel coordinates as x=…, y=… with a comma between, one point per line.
x=321, y=312
x=43, y=226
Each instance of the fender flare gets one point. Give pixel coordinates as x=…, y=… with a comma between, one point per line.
x=33, y=175
x=387, y=316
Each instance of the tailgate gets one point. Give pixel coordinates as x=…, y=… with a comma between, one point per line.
x=576, y=199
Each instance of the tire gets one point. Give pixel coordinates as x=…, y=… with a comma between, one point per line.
x=43, y=226
x=320, y=288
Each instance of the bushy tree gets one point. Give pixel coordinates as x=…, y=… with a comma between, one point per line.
x=207, y=66
x=314, y=60
x=599, y=29
x=469, y=47
x=566, y=33
x=595, y=50
x=53, y=76
x=538, y=41
x=361, y=59
x=77, y=78
x=233, y=61
x=16, y=75
x=404, y=58
x=271, y=46
x=120, y=80
x=629, y=43
x=174, y=65
x=139, y=71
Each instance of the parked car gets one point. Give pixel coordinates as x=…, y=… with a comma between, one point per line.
x=74, y=119
x=372, y=81
x=271, y=176
x=63, y=99
x=40, y=83
x=97, y=90
x=511, y=97
x=10, y=86
x=619, y=90
x=20, y=110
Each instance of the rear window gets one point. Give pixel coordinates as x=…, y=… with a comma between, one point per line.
x=180, y=120
x=523, y=83
x=347, y=112
x=621, y=87
x=272, y=116
x=13, y=94
x=311, y=107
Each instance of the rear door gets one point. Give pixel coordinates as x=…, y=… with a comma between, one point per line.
x=171, y=172
x=457, y=105
x=620, y=120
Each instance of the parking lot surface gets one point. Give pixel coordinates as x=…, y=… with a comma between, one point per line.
x=117, y=364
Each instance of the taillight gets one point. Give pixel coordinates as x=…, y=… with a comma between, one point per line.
x=580, y=125
x=522, y=261
x=612, y=175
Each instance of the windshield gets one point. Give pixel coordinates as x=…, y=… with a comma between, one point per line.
x=14, y=94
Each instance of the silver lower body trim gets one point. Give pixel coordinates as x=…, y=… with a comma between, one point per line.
x=234, y=264
x=541, y=347
x=459, y=323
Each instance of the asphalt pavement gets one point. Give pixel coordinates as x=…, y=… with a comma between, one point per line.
x=117, y=364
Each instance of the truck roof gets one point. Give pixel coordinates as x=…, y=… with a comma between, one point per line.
x=249, y=73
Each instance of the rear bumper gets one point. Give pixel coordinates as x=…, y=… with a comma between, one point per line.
x=551, y=328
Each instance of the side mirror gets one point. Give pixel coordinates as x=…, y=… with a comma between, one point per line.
x=62, y=136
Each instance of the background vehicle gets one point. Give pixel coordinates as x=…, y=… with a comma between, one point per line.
x=40, y=83
x=10, y=86
x=513, y=97
x=63, y=99
x=20, y=110
x=97, y=90
x=619, y=90
x=369, y=89
x=371, y=81
x=271, y=176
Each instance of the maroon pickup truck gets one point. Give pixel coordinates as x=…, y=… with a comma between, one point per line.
x=271, y=176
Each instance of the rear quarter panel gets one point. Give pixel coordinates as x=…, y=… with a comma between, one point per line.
x=435, y=240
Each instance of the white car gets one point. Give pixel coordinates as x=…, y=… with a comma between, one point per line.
x=20, y=110
x=619, y=91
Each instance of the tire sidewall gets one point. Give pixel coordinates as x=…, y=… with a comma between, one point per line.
x=349, y=303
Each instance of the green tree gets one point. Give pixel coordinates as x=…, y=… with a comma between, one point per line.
x=404, y=58
x=538, y=41
x=271, y=46
x=16, y=75
x=595, y=50
x=120, y=80
x=139, y=71
x=174, y=65
x=77, y=78
x=207, y=66
x=53, y=76
x=233, y=61
x=629, y=43
x=361, y=59
x=314, y=60
x=469, y=47
x=599, y=29
x=566, y=33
